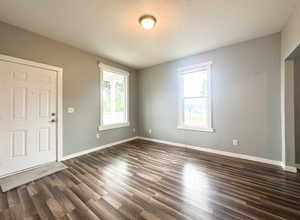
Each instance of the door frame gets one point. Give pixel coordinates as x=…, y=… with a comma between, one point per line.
x=59, y=97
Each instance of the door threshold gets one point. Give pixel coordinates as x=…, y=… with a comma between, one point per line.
x=24, y=170
x=14, y=181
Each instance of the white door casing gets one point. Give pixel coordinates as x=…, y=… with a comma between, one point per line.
x=29, y=102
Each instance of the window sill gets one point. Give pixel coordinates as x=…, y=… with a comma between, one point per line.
x=113, y=126
x=211, y=130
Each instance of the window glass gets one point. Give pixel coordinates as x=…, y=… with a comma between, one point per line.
x=196, y=112
x=195, y=103
x=114, y=98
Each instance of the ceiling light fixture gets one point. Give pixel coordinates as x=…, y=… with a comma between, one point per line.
x=147, y=22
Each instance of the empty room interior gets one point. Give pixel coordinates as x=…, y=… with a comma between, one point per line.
x=149, y=109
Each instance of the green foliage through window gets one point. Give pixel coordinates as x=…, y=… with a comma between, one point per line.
x=120, y=97
x=106, y=96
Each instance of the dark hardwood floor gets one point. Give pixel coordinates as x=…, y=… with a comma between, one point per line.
x=145, y=180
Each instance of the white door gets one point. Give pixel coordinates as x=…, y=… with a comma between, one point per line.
x=27, y=116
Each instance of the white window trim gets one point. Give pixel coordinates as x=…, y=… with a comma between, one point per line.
x=186, y=70
x=103, y=127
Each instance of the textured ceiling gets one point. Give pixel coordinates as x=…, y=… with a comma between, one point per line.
x=110, y=28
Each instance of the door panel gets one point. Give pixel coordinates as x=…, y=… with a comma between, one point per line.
x=18, y=143
x=28, y=104
x=44, y=101
x=19, y=103
x=44, y=140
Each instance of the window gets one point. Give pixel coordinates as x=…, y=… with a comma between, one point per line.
x=195, y=104
x=114, y=97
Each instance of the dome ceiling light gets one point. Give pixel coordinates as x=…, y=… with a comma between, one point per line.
x=147, y=22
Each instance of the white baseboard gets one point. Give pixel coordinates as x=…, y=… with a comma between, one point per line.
x=204, y=149
x=97, y=148
x=290, y=169
x=225, y=153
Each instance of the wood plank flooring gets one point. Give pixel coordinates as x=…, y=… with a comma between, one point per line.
x=146, y=180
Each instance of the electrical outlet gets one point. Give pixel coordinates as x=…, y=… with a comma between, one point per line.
x=133, y=130
x=235, y=142
x=150, y=131
x=71, y=110
x=98, y=136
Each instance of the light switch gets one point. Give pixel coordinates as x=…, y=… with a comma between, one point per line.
x=235, y=142
x=71, y=110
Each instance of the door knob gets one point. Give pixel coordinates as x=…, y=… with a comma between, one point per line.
x=52, y=121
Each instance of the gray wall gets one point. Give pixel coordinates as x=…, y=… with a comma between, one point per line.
x=80, y=86
x=246, y=94
x=246, y=99
x=297, y=107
